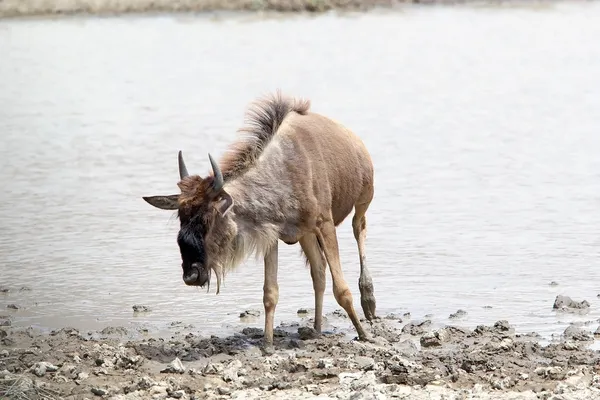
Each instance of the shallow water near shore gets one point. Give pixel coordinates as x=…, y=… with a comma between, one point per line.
x=482, y=124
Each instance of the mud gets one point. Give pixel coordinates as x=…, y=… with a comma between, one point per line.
x=417, y=362
x=21, y=8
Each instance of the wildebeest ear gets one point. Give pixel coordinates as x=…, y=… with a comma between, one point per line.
x=224, y=203
x=163, y=202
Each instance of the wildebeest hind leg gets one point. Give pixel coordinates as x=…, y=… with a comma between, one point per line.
x=341, y=291
x=365, y=282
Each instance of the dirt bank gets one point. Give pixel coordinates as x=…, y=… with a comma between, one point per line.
x=408, y=361
x=20, y=8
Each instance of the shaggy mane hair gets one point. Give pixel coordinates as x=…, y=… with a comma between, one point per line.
x=263, y=118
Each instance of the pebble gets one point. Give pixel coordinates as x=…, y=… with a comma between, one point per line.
x=99, y=391
x=174, y=367
x=42, y=367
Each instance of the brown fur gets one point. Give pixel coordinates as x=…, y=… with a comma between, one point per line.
x=292, y=175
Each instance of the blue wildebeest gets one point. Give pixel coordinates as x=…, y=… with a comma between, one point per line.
x=292, y=175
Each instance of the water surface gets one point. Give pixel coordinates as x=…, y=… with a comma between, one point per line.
x=482, y=123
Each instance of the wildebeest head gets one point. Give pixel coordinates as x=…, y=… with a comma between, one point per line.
x=207, y=231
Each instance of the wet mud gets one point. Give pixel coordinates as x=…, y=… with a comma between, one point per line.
x=409, y=359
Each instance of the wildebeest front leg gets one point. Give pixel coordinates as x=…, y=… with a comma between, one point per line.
x=270, y=292
x=341, y=291
x=318, y=264
x=365, y=282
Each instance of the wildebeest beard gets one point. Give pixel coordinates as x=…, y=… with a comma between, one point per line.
x=193, y=254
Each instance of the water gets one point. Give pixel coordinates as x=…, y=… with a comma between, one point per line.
x=482, y=123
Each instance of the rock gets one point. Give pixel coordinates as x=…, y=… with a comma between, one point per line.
x=435, y=338
x=254, y=333
x=501, y=384
x=553, y=283
x=4, y=353
x=365, y=363
x=13, y=306
x=250, y=313
x=114, y=330
x=415, y=329
x=307, y=333
x=565, y=303
x=176, y=394
x=175, y=367
x=325, y=363
x=141, y=308
x=224, y=391
x=145, y=382
x=42, y=367
x=502, y=326
x=230, y=373
x=304, y=311
x=4, y=289
x=99, y=391
x=213, y=368
x=24, y=289
x=5, y=320
x=578, y=334
x=393, y=316
x=458, y=314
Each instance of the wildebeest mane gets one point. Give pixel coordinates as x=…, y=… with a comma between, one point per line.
x=263, y=118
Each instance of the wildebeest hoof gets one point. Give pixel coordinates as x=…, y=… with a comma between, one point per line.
x=267, y=349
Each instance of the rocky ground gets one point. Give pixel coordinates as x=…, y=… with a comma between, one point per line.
x=18, y=8
x=409, y=360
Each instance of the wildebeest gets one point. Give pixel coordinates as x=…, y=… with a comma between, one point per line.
x=292, y=175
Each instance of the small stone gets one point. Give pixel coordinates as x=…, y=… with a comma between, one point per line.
x=82, y=376
x=13, y=306
x=4, y=289
x=502, y=325
x=40, y=368
x=523, y=376
x=175, y=367
x=365, y=363
x=578, y=334
x=458, y=314
x=224, y=391
x=304, y=311
x=435, y=338
x=501, y=384
x=254, y=333
x=177, y=394
x=553, y=283
x=230, y=373
x=250, y=313
x=325, y=363
x=415, y=329
x=570, y=345
x=565, y=303
x=141, y=308
x=4, y=353
x=98, y=391
x=24, y=289
x=307, y=333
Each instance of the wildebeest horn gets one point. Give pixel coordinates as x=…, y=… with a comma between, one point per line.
x=218, y=175
x=183, y=172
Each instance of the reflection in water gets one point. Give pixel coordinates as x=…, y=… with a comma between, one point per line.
x=481, y=122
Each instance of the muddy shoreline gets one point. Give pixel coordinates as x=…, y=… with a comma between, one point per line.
x=41, y=8
x=409, y=359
